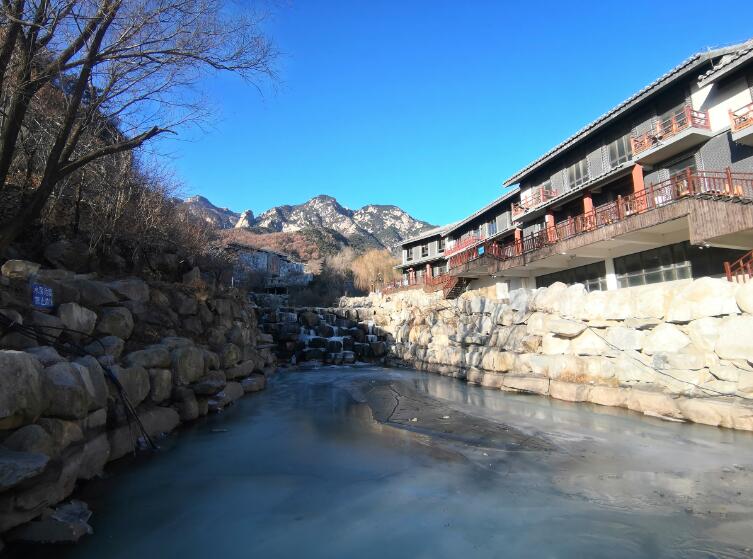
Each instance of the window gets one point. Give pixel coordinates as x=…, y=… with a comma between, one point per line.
x=440, y=245
x=424, y=251
x=620, y=151
x=672, y=262
x=592, y=276
x=439, y=270
x=491, y=227
x=577, y=174
x=408, y=254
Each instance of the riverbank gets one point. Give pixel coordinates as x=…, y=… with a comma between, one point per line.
x=679, y=351
x=312, y=467
x=106, y=366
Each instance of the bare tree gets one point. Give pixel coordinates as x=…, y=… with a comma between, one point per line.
x=374, y=268
x=113, y=75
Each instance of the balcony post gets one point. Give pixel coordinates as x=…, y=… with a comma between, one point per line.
x=639, y=187
x=518, y=241
x=551, y=231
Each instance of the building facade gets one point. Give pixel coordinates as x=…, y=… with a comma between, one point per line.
x=657, y=189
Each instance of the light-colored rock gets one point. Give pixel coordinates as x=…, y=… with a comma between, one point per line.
x=31, y=438
x=47, y=355
x=565, y=328
x=624, y=338
x=135, y=382
x=734, y=339
x=589, y=343
x=702, y=298
x=19, y=269
x=554, y=345
x=498, y=361
x=665, y=338
x=254, y=383
x=744, y=297
x=568, y=391
x=535, y=385
x=704, y=332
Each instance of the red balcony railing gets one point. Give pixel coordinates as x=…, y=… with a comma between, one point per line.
x=721, y=184
x=665, y=129
x=741, y=118
x=462, y=244
x=741, y=270
x=535, y=198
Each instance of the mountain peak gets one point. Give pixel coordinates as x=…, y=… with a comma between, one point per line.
x=373, y=225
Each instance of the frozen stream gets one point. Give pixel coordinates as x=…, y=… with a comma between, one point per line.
x=304, y=470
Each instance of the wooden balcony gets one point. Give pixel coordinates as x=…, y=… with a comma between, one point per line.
x=741, y=123
x=535, y=198
x=462, y=244
x=715, y=185
x=671, y=136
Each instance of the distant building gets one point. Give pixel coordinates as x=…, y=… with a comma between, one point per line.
x=659, y=188
x=266, y=270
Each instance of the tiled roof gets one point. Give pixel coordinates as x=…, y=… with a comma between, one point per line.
x=737, y=56
x=454, y=226
x=682, y=68
x=426, y=234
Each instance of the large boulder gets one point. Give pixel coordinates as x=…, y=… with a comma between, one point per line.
x=77, y=319
x=701, y=298
x=135, y=382
x=744, y=297
x=187, y=363
x=47, y=355
x=254, y=383
x=161, y=384
x=92, y=377
x=665, y=338
x=94, y=293
x=734, y=338
x=65, y=392
x=133, y=289
x=31, y=438
x=106, y=346
x=115, y=321
x=210, y=384
x=230, y=355
x=22, y=395
x=704, y=332
x=155, y=357
x=156, y=420
x=67, y=523
x=19, y=269
x=18, y=467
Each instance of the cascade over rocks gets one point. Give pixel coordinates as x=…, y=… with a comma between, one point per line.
x=172, y=347
x=673, y=350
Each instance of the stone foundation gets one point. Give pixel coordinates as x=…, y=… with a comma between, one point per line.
x=677, y=351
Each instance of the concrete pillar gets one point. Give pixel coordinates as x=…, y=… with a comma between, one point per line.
x=611, y=276
x=518, y=240
x=639, y=188
x=428, y=270
x=588, y=203
x=551, y=233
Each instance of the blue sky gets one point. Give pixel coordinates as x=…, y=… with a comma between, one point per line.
x=431, y=105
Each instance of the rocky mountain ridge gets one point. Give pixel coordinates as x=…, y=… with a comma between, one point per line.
x=374, y=225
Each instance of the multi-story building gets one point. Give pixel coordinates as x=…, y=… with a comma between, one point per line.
x=657, y=189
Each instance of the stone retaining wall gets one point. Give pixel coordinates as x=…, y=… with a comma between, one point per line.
x=179, y=350
x=678, y=351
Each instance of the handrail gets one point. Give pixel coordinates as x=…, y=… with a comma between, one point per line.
x=741, y=270
x=537, y=196
x=670, y=126
x=741, y=118
x=722, y=184
x=462, y=244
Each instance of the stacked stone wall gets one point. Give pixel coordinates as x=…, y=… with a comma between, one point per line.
x=179, y=351
x=680, y=351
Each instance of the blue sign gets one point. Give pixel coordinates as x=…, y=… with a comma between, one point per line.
x=480, y=250
x=41, y=296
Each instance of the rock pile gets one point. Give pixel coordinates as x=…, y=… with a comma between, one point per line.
x=328, y=335
x=180, y=351
x=676, y=350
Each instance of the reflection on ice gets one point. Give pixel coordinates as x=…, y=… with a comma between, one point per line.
x=304, y=471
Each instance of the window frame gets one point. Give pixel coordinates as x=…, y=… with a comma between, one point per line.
x=624, y=141
x=585, y=173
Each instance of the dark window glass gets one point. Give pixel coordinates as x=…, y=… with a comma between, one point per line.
x=577, y=174
x=592, y=276
x=440, y=245
x=620, y=151
x=424, y=251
